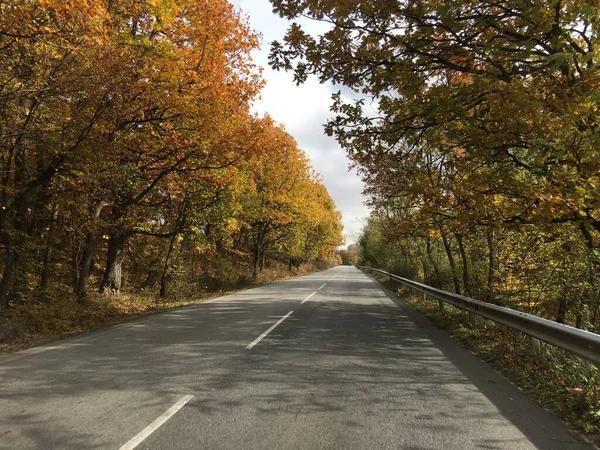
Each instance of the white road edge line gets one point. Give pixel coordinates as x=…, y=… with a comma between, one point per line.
x=260, y=338
x=308, y=298
x=322, y=286
x=139, y=438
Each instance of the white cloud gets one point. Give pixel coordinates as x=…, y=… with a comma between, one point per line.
x=303, y=110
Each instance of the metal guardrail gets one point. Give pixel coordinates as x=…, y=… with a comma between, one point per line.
x=579, y=342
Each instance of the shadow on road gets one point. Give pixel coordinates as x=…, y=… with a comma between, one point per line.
x=347, y=364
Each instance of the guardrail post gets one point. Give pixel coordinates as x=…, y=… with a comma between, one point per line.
x=536, y=344
x=441, y=306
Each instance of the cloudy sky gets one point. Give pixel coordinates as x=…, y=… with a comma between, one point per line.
x=303, y=110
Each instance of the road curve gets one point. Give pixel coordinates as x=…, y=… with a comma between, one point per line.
x=324, y=361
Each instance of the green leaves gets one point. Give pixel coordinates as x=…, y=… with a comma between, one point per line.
x=466, y=94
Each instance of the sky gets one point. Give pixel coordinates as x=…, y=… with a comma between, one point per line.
x=303, y=110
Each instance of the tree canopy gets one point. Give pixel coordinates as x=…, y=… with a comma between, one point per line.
x=127, y=144
x=465, y=119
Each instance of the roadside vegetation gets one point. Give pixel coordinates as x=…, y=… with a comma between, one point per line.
x=563, y=384
x=349, y=256
x=132, y=174
x=33, y=323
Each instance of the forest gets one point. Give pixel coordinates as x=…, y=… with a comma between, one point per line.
x=474, y=125
x=130, y=161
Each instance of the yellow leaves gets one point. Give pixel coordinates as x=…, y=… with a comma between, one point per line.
x=164, y=10
x=284, y=196
x=146, y=106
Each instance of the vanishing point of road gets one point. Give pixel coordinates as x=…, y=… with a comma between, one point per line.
x=324, y=361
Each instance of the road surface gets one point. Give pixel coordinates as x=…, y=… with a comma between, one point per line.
x=324, y=361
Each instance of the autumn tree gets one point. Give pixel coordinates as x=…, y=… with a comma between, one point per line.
x=190, y=89
x=129, y=157
x=48, y=56
x=485, y=116
x=285, y=207
x=111, y=106
x=511, y=85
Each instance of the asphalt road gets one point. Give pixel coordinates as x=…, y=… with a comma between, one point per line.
x=346, y=369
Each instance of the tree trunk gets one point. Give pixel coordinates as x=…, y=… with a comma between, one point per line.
x=49, y=248
x=436, y=282
x=465, y=265
x=75, y=260
x=87, y=258
x=187, y=246
x=238, y=241
x=150, y=273
x=9, y=269
x=178, y=226
x=163, y=278
x=562, y=310
x=491, y=279
x=578, y=320
x=256, y=262
x=111, y=281
x=258, y=250
x=262, y=260
x=85, y=266
x=451, y=262
x=426, y=276
x=193, y=264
